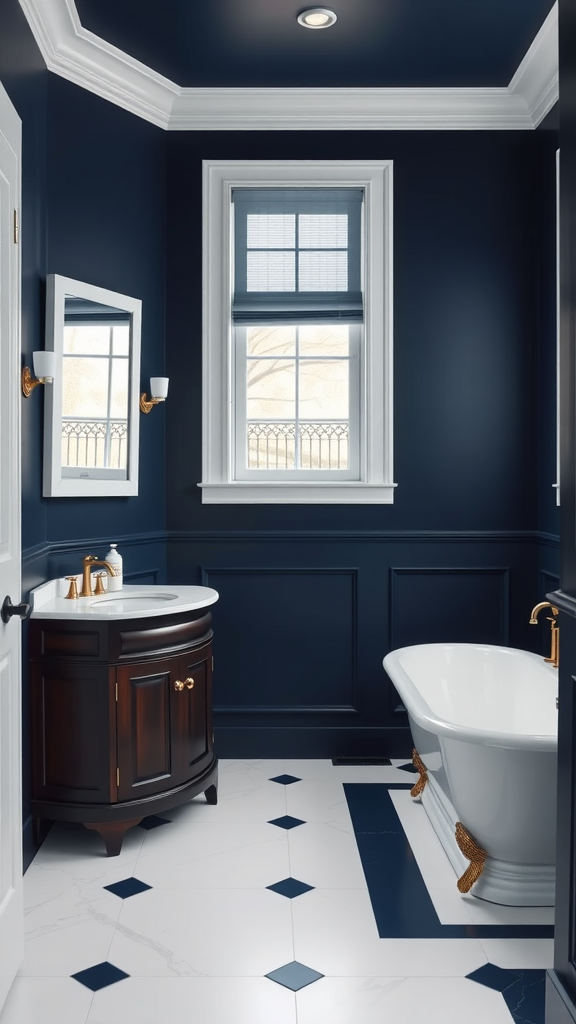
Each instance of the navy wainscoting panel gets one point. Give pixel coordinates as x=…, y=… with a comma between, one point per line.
x=297, y=631
x=304, y=621
x=456, y=605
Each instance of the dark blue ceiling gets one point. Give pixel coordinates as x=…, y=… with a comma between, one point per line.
x=386, y=43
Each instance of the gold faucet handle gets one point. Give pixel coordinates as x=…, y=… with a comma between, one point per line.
x=99, y=588
x=73, y=589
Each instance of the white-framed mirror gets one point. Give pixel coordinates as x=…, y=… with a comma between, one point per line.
x=91, y=416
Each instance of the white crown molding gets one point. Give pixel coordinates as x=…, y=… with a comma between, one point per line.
x=87, y=60
x=536, y=79
x=72, y=52
x=354, y=109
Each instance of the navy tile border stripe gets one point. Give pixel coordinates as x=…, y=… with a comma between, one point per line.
x=400, y=901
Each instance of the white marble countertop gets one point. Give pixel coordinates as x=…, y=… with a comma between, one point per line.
x=48, y=601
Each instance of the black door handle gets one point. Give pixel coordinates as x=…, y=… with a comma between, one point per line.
x=9, y=609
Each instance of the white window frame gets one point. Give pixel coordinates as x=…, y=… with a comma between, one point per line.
x=374, y=485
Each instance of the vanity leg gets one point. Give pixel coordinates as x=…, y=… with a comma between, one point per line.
x=211, y=795
x=112, y=833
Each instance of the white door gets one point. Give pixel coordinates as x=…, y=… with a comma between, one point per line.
x=11, y=908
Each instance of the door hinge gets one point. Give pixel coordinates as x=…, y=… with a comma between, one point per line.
x=116, y=692
x=212, y=662
x=16, y=228
x=118, y=778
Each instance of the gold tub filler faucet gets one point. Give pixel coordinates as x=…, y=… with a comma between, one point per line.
x=554, y=630
x=87, y=562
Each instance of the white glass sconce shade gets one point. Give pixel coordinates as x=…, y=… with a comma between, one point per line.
x=158, y=393
x=159, y=387
x=44, y=364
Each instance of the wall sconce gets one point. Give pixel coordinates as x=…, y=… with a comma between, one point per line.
x=158, y=393
x=44, y=364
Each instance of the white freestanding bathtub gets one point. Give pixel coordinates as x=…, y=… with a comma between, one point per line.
x=484, y=722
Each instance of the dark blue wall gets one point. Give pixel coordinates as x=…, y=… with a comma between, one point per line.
x=106, y=225
x=312, y=597
x=93, y=208
x=466, y=327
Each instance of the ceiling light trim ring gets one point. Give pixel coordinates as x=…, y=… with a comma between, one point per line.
x=317, y=17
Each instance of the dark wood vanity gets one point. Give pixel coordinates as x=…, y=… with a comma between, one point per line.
x=121, y=719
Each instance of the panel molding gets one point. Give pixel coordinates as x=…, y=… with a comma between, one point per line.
x=503, y=572
x=550, y=581
x=306, y=570
x=47, y=548
x=359, y=536
x=80, y=56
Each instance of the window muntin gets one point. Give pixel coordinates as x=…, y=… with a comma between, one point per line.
x=95, y=395
x=297, y=400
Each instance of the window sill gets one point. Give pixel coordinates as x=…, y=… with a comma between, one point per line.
x=296, y=493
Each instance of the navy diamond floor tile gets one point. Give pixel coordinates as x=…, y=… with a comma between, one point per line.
x=153, y=821
x=100, y=976
x=286, y=780
x=294, y=976
x=127, y=887
x=526, y=997
x=287, y=822
x=523, y=990
x=494, y=977
x=290, y=887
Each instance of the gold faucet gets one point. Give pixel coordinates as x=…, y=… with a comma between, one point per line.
x=88, y=561
x=554, y=630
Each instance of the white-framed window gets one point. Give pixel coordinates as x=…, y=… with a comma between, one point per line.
x=297, y=332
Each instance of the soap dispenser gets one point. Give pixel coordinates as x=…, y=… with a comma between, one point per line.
x=115, y=560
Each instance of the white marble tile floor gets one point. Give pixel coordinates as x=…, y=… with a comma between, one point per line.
x=197, y=943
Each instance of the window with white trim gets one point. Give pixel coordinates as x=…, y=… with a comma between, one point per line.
x=297, y=332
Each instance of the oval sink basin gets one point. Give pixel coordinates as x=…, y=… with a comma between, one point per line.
x=127, y=603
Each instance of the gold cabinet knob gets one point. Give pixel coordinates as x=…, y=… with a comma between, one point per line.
x=190, y=683
x=178, y=685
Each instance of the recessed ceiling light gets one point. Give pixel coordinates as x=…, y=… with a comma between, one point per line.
x=317, y=17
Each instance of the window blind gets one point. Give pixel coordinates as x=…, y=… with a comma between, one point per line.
x=297, y=255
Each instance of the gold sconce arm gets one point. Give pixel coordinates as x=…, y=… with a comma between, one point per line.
x=44, y=364
x=29, y=382
x=146, y=404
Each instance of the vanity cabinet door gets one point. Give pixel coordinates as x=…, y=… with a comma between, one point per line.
x=163, y=721
x=73, y=732
x=144, y=728
x=192, y=733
